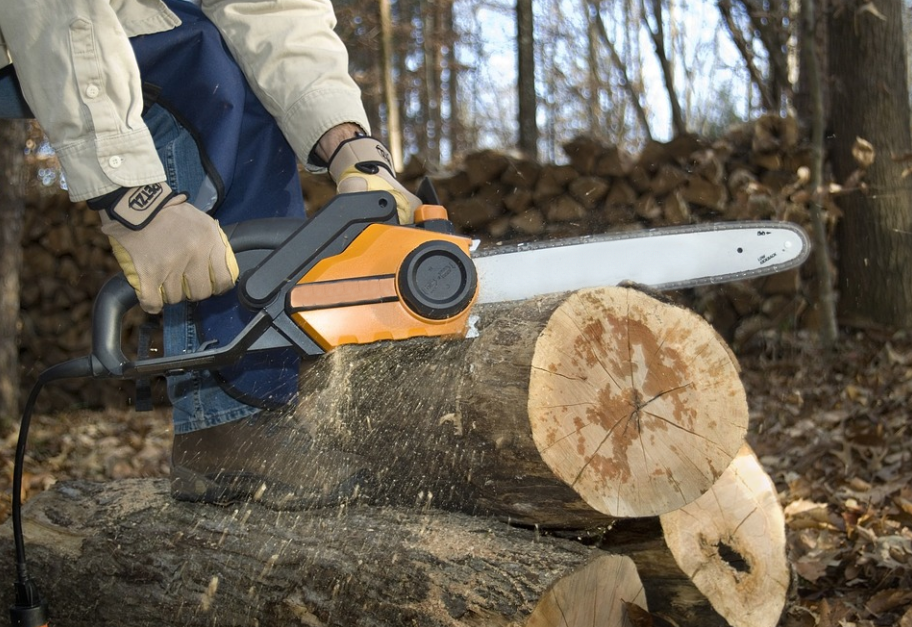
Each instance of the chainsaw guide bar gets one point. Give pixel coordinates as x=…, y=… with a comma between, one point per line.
x=667, y=258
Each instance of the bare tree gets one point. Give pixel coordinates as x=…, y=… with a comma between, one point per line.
x=657, y=34
x=13, y=136
x=744, y=46
x=528, y=99
x=870, y=100
x=629, y=86
x=825, y=288
x=390, y=94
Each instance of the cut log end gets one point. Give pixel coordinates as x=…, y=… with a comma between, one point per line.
x=598, y=595
x=731, y=543
x=634, y=403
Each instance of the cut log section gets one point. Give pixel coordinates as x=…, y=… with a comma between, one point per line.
x=731, y=543
x=565, y=411
x=597, y=595
x=644, y=412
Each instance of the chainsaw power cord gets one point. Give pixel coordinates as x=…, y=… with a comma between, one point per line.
x=30, y=608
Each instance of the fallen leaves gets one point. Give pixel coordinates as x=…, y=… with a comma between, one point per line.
x=834, y=434
x=86, y=445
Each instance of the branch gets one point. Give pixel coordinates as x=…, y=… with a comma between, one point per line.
x=725, y=8
x=622, y=69
x=658, y=40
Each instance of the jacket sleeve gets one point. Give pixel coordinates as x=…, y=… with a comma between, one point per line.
x=79, y=76
x=295, y=63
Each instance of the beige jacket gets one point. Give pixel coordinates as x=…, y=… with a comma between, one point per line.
x=80, y=78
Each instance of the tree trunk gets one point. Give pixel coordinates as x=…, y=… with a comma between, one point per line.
x=454, y=126
x=565, y=411
x=870, y=99
x=525, y=77
x=390, y=98
x=123, y=552
x=13, y=135
x=430, y=24
x=826, y=294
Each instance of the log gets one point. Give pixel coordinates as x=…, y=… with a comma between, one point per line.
x=125, y=553
x=731, y=542
x=565, y=411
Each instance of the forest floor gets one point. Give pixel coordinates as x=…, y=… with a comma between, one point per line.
x=834, y=433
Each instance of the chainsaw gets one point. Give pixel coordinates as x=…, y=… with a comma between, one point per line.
x=353, y=275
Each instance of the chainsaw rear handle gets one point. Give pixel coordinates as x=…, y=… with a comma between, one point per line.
x=117, y=296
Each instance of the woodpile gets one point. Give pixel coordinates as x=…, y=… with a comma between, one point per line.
x=66, y=261
x=592, y=415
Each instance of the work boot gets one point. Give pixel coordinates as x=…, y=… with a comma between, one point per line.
x=265, y=459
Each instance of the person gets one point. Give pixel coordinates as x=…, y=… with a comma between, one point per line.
x=171, y=118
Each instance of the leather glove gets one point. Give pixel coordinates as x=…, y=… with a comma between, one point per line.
x=168, y=249
x=362, y=164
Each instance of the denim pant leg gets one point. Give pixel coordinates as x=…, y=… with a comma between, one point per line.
x=198, y=400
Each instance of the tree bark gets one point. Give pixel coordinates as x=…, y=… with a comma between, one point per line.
x=13, y=135
x=565, y=411
x=826, y=295
x=123, y=552
x=870, y=99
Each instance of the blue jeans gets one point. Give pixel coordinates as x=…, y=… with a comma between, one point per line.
x=220, y=145
x=198, y=400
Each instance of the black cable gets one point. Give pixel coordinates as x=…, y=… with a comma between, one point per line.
x=30, y=610
x=18, y=469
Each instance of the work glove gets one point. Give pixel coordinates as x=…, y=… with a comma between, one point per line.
x=168, y=249
x=362, y=164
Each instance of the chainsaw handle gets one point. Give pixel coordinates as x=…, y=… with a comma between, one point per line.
x=117, y=296
x=115, y=299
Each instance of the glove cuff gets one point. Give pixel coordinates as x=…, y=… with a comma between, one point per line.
x=364, y=153
x=134, y=207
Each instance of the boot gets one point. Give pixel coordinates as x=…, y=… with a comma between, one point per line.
x=266, y=459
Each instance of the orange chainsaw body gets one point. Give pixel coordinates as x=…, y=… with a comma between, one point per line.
x=362, y=295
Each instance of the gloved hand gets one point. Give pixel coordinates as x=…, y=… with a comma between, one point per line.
x=168, y=249
x=363, y=164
